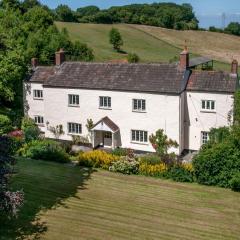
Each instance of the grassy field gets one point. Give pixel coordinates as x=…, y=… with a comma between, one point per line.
x=151, y=45
x=219, y=46
x=65, y=202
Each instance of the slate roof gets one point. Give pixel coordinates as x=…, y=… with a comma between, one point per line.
x=212, y=81
x=109, y=123
x=41, y=74
x=127, y=77
x=152, y=78
x=198, y=61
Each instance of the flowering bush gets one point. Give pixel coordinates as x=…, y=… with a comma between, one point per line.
x=155, y=170
x=97, y=158
x=16, y=134
x=10, y=202
x=124, y=166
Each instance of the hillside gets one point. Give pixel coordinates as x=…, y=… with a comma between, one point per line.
x=154, y=44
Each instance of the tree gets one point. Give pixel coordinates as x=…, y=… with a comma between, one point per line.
x=80, y=51
x=65, y=14
x=161, y=143
x=115, y=39
x=88, y=11
x=233, y=28
x=133, y=58
x=10, y=202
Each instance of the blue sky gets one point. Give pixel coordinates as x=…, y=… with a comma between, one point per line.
x=208, y=11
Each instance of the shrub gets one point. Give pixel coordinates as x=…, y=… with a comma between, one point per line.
x=133, y=58
x=156, y=170
x=30, y=130
x=151, y=159
x=181, y=173
x=47, y=150
x=124, y=166
x=216, y=165
x=120, y=152
x=5, y=124
x=97, y=159
x=80, y=140
x=235, y=182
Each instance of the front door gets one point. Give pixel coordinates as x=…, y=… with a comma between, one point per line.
x=107, y=139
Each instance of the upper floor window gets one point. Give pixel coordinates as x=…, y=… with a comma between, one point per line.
x=38, y=94
x=74, y=128
x=204, y=137
x=39, y=120
x=208, y=105
x=139, y=105
x=105, y=102
x=139, y=136
x=73, y=100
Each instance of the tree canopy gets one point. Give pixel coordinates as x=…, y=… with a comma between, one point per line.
x=27, y=30
x=168, y=15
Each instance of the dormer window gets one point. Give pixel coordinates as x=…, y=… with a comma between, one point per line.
x=73, y=100
x=38, y=94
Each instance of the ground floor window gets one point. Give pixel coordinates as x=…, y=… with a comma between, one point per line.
x=204, y=137
x=74, y=128
x=139, y=136
x=39, y=120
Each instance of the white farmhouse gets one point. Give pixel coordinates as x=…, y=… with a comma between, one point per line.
x=129, y=102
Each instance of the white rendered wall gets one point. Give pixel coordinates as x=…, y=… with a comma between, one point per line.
x=162, y=113
x=197, y=120
x=34, y=107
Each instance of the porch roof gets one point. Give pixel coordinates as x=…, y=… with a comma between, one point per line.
x=105, y=124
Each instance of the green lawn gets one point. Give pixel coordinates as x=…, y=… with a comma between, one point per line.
x=65, y=202
x=149, y=47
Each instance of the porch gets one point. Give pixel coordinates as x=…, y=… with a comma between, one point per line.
x=106, y=134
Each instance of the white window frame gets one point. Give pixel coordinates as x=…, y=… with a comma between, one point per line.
x=105, y=102
x=139, y=136
x=39, y=120
x=74, y=128
x=73, y=100
x=139, y=105
x=204, y=137
x=38, y=94
x=208, y=105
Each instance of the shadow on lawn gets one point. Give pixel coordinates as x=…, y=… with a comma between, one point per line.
x=46, y=186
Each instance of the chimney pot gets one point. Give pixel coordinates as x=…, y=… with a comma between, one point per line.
x=34, y=62
x=234, y=68
x=60, y=57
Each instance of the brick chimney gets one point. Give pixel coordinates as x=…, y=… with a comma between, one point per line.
x=60, y=57
x=184, y=59
x=234, y=68
x=34, y=62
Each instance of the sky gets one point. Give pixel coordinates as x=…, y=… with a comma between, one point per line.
x=209, y=12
